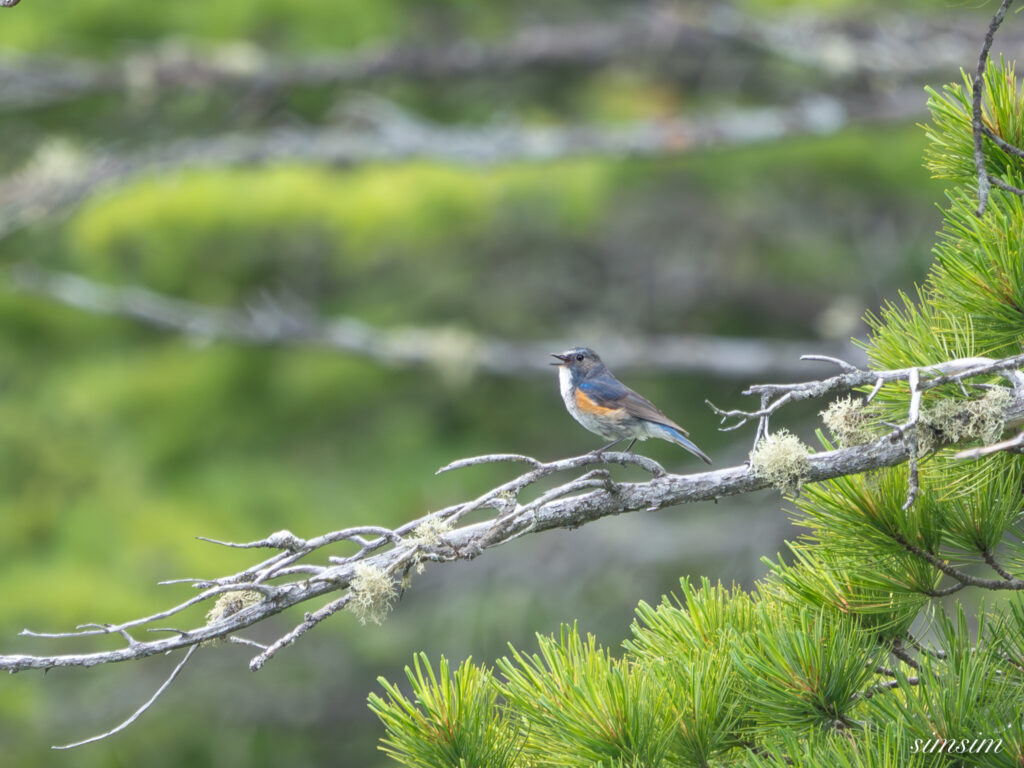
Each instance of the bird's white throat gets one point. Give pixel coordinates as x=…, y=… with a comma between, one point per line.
x=565, y=386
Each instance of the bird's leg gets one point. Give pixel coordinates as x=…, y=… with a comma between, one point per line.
x=630, y=446
x=604, y=448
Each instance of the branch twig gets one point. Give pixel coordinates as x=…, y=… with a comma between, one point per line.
x=1011, y=445
x=900, y=653
x=138, y=713
x=996, y=566
x=909, y=431
x=977, y=91
x=931, y=376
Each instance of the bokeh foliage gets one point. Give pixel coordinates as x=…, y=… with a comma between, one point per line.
x=119, y=443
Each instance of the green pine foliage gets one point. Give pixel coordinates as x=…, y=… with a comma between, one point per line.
x=586, y=705
x=845, y=653
x=453, y=721
x=886, y=747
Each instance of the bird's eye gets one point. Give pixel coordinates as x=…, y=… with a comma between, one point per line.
x=579, y=358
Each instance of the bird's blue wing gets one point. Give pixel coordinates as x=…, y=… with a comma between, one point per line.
x=606, y=391
x=609, y=392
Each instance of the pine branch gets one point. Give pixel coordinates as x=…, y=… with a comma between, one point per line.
x=888, y=685
x=996, y=566
x=901, y=653
x=921, y=648
x=1007, y=582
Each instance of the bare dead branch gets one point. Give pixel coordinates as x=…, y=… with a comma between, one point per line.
x=930, y=377
x=269, y=322
x=561, y=512
x=310, y=621
x=951, y=371
x=846, y=366
x=492, y=459
x=558, y=513
x=243, y=641
x=874, y=391
x=571, y=504
x=295, y=574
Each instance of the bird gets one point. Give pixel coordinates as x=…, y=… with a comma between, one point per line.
x=607, y=407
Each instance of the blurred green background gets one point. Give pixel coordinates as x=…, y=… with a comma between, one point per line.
x=120, y=443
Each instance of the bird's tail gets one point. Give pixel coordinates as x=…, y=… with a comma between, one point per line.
x=675, y=436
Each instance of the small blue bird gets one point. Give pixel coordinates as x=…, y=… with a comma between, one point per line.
x=609, y=408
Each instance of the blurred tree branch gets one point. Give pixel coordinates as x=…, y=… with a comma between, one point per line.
x=899, y=45
x=384, y=557
x=62, y=176
x=461, y=352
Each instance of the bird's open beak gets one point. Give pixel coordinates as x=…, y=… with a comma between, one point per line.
x=563, y=359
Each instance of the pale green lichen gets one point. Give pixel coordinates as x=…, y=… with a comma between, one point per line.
x=372, y=591
x=428, y=533
x=957, y=421
x=231, y=603
x=847, y=420
x=781, y=459
x=228, y=604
